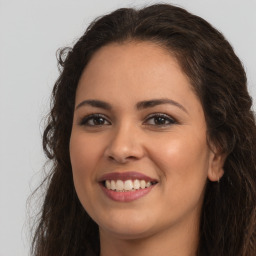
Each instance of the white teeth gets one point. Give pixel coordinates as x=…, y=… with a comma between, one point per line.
x=113, y=185
x=108, y=184
x=142, y=183
x=127, y=185
x=119, y=185
x=136, y=184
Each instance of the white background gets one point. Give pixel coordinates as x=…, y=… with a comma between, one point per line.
x=30, y=33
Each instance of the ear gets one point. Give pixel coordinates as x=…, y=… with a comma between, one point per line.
x=217, y=160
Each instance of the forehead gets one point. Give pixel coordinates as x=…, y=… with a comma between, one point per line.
x=136, y=62
x=134, y=70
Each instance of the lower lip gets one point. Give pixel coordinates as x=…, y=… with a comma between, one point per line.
x=126, y=196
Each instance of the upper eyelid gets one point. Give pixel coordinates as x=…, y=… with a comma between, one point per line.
x=94, y=115
x=161, y=114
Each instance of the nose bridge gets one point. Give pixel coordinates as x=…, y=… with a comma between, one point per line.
x=125, y=142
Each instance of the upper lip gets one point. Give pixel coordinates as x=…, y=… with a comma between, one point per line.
x=126, y=176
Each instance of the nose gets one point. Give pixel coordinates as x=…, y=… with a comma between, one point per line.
x=125, y=144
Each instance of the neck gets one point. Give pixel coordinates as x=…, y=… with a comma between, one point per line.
x=175, y=241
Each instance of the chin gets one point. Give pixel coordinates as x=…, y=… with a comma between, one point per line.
x=128, y=227
x=128, y=233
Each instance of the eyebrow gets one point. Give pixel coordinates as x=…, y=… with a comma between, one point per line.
x=140, y=105
x=156, y=102
x=95, y=103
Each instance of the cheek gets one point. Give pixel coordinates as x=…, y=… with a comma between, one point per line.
x=183, y=163
x=84, y=155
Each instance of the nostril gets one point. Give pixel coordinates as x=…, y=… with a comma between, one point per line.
x=121, y=159
x=131, y=157
x=111, y=158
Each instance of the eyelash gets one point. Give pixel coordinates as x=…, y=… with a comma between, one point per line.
x=93, y=117
x=164, y=117
x=96, y=117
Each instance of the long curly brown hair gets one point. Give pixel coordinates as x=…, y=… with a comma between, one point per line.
x=228, y=218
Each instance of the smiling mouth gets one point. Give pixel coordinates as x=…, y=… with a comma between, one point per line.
x=127, y=185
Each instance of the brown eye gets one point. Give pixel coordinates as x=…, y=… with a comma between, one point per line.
x=94, y=120
x=159, y=120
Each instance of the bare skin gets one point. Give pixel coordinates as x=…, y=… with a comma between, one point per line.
x=165, y=243
x=136, y=112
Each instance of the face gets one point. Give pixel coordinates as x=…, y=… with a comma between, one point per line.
x=138, y=148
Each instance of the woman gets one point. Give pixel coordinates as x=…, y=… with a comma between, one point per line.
x=152, y=137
